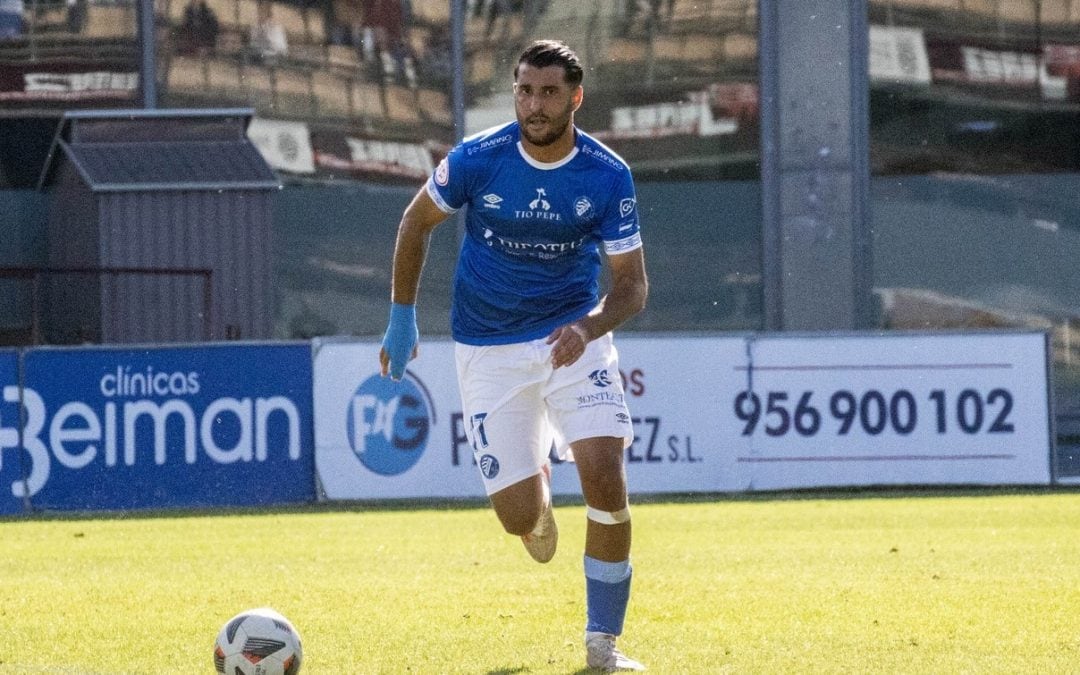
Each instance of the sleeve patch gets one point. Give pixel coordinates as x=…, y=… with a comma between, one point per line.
x=442, y=172
x=433, y=192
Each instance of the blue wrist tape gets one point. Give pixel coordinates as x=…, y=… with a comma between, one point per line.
x=400, y=338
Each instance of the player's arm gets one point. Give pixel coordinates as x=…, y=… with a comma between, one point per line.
x=629, y=291
x=410, y=251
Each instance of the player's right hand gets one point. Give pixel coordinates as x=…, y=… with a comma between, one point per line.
x=401, y=341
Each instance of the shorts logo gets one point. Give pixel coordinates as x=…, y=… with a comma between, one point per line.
x=442, y=173
x=622, y=418
x=388, y=423
x=600, y=378
x=626, y=206
x=489, y=466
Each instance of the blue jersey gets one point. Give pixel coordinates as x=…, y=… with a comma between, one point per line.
x=530, y=260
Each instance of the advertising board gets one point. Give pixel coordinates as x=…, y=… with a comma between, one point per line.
x=889, y=409
x=721, y=414
x=114, y=429
x=375, y=438
x=70, y=81
x=380, y=439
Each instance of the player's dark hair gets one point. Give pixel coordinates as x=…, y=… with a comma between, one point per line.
x=544, y=53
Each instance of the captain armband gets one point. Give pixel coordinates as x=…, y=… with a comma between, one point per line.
x=608, y=517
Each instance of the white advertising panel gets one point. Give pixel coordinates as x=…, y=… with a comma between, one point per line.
x=377, y=439
x=676, y=402
x=898, y=55
x=720, y=414
x=285, y=146
x=380, y=439
x=890, y=409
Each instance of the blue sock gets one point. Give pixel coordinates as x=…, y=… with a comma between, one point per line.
x=607, y=592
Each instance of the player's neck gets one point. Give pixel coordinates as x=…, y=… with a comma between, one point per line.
x=552, y=152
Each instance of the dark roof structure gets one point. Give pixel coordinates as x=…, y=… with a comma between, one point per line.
x=157, y=150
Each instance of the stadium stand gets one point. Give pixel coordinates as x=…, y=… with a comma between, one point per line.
x=325, y=75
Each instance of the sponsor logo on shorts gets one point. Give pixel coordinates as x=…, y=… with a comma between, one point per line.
x=600, y=378
x=389, y=423
x=489, y=466
x=622, y=418
x=600, y=398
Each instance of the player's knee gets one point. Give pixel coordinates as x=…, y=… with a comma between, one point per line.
x=519, y=522
x=603, y=517
x=607, y=495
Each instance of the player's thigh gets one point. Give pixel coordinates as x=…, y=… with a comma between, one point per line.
x=586, y=399
x=503, y=412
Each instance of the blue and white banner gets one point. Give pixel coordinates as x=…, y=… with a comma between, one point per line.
x=11, y=466
x=112, y=429
x=380, y=439
x=721, y=414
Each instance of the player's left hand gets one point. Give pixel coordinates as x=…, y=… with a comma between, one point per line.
x=568, y=344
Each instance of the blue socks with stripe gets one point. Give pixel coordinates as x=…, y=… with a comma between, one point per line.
x=607, y=592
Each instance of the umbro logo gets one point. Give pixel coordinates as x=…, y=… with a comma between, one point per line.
x=492, y=201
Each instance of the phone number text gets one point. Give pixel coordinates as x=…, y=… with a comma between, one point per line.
x=874, y=412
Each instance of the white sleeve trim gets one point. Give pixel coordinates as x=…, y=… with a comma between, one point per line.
x=623, y=245
x=437, y=198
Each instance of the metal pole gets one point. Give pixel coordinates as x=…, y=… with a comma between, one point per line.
x=772, y=284
x=457, y=47
x=148, y=51
x=865, y=315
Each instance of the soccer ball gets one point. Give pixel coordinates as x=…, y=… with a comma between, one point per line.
x=258, y=642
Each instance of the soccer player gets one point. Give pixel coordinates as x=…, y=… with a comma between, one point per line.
x=536, y=363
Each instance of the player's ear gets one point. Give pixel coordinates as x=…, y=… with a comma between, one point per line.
x=577, y=97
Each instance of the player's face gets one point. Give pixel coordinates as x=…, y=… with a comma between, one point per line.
x=544, y=103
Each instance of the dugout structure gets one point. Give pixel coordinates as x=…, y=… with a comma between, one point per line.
x=157, y=194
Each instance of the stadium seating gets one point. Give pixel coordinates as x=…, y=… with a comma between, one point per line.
x=110, y=21
x=316, y=79
x=331, y=94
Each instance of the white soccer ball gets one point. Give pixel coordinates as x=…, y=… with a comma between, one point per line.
x=258, y=642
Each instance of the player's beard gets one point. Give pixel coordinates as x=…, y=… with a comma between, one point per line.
x=556, y=128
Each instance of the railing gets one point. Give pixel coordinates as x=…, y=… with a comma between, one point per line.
x=34, y=276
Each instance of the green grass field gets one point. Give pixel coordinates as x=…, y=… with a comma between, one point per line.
x=886, y=582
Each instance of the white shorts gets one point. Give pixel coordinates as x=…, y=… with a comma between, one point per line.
x=515, y=405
